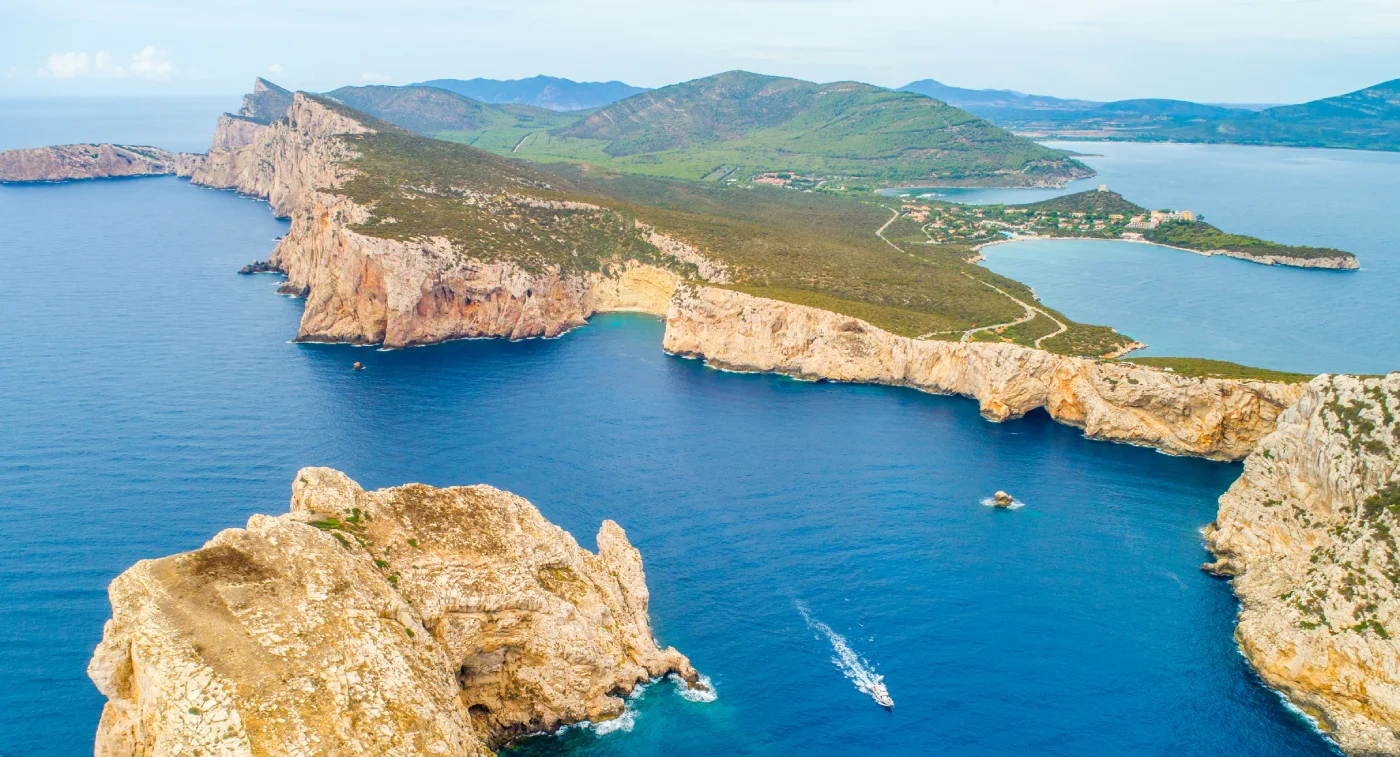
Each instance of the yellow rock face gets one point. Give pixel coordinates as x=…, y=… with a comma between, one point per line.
x=1308, y=534
x=1215, y=418
x=405, y=621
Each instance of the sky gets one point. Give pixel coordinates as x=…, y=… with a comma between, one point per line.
x=1261, y=51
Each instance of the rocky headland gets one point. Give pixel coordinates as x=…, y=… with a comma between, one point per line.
x=104, y=161
x=409, y=621
x=1308, y=535
x=1221, y=419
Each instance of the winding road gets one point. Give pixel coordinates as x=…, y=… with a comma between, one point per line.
x=1031, y=311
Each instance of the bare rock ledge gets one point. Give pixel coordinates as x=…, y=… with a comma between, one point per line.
x=404, y=621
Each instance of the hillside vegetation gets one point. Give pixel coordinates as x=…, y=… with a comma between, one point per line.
x=815, y=249
x=737, y=126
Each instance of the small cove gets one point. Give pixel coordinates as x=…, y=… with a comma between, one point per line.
x=1181, y=304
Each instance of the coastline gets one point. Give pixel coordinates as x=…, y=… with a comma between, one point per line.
x=1264, y=260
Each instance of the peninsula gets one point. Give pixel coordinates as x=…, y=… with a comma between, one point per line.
x=1101, y=214
x=104, y=161
x=409, y=620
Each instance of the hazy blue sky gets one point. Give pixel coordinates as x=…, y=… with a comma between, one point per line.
x=1209, y=50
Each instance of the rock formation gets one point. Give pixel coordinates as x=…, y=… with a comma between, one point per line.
x=1216, y=418
x=404, y=621
x=1308, y=534
x=362, y=289
x=104, y=161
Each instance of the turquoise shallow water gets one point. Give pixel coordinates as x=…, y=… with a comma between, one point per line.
x=1184, y=304
x=149, y=397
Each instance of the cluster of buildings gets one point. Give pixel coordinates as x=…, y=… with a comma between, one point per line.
x=1156, y=218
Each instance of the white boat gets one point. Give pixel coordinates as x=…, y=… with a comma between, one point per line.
x=881, y=695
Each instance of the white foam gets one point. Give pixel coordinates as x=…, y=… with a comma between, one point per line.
x=624, y=722
x=707, y=694
x=1016, y=504
x=851, y=665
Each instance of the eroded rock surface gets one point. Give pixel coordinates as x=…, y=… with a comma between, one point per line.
x=1215, y=418
x=404, y=621
x=104, y=161
x=1308, y=533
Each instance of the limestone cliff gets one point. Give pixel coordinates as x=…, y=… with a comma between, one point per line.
x=365, y=289
x=104, y=161
x=404, y=621
x=1309, y=534
x=1216, y=418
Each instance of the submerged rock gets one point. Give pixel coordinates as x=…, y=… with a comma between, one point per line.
x=409, y=620
x=260, y=266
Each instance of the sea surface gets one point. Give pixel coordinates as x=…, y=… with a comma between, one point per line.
x=799, y=538
x=1181, y=304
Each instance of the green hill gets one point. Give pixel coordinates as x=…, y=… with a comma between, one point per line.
x=736, y=125
x=1367, y=119
x=447, y=115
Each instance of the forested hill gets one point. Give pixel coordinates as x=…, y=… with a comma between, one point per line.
x=737, y=126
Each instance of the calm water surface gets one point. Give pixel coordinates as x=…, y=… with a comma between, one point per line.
x=149, y=397
x=1183, y=304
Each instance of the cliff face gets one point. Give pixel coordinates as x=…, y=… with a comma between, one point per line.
x=1215, y=418
x=104, y=161
x=404, y=621
x=1308, y=533
x=369, y=290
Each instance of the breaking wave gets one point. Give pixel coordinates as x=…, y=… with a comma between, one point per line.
x=851, y=665
x=696, y=695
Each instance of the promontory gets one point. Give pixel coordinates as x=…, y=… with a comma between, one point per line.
x=404, y=621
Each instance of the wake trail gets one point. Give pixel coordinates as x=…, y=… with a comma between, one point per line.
x=851, y=665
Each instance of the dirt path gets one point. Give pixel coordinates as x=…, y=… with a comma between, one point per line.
x=1031, y=311
x=522, y=141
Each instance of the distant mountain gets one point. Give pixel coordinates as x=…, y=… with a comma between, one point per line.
x=1367, y=119
x=975, y=100
x=540, y=91
x=738, y=124
x=439, y=113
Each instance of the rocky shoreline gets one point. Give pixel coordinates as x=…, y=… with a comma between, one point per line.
x=89, y=161
x=1336, y=264
x=409, y=620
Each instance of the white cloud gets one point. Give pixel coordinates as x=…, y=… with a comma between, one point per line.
x=152, y=64
x=374, y=78
x=275, y=68
x=67, y=66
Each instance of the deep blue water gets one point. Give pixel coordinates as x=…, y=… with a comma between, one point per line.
x=149, y=397
x=1184, y=304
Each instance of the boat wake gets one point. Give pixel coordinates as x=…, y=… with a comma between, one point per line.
x=850, y=664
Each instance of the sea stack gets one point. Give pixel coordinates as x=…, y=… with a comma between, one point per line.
x=1002, y=499
x=408, y=621
x=357, y=366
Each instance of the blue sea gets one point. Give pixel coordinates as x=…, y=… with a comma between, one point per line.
x=149, y=397
x=1181, y=304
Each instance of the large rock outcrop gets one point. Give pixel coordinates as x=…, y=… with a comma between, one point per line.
x=1308, y=534
x=103, y=161
x=364, y=289
x=1216, y=418
x=404, y=621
